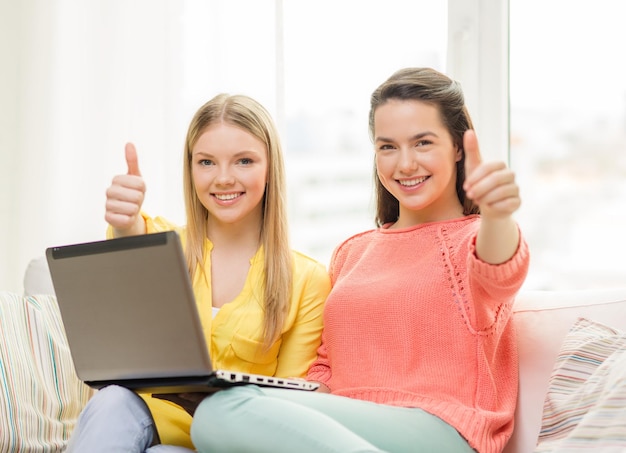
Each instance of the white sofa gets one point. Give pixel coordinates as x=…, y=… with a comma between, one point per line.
x=542, y=319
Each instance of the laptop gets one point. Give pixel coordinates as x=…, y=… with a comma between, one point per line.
x=131, y=319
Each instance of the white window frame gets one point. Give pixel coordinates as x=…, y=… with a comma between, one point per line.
x=478, y=57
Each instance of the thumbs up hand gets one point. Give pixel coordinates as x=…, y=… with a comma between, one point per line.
x=125, y=197
x=131, y=160
x=491, y=185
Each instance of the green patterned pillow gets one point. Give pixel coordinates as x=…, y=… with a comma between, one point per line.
x=40, y=394
x=585, y=406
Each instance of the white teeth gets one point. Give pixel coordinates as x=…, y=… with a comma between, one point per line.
x=227, y=196
x=413, y=182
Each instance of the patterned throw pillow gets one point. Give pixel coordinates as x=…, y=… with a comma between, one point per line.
x=585, y=406
x=40, y=394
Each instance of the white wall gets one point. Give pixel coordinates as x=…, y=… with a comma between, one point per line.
x=8, y=140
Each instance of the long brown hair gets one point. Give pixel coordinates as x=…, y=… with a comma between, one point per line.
x=432, y=87
x=245, y=113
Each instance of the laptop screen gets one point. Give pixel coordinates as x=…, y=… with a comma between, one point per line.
x=128, y=308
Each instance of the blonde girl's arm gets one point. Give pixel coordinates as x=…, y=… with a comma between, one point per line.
x=125, y=197
x=300, y=342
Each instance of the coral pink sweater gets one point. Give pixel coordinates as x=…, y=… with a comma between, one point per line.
x=415, y=319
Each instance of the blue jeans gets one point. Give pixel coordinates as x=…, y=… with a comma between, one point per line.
x=117, y=420
x=265, y=420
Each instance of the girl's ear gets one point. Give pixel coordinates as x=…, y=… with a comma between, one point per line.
x=459, y=154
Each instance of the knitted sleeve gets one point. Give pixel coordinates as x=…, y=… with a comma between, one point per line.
x=493, y=287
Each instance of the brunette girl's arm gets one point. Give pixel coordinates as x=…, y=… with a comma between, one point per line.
x=492, y=186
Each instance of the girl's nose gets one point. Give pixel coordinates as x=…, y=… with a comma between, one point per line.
x=408, y=161
x=225, y=177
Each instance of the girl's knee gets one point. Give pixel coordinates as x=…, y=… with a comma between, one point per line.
x=226, y=401
x=113, y=398
x=219, y=412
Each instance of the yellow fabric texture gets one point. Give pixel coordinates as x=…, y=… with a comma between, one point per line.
x=234, y=336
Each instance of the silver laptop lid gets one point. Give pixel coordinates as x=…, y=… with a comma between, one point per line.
x=128, y=308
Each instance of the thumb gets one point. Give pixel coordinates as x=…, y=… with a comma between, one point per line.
x=472, y=153
x=131, y=160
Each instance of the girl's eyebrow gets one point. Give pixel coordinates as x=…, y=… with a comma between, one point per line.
x=237, y=154
x=415, y=137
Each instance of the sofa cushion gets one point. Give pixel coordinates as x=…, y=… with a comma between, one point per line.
x=584, y=407
x=542, y=320
x=40, y=394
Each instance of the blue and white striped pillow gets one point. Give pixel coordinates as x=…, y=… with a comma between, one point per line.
x=40, y=394
x=585, y=406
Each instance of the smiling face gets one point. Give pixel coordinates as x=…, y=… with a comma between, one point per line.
x=416, y=161
x=229, y=169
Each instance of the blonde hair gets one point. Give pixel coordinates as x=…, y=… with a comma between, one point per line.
x=246, y=113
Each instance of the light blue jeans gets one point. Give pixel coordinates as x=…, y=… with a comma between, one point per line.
x=260, y=420
x=117, y=420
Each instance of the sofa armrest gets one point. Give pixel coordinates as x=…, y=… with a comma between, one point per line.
x=37, y=278
x=542, y=320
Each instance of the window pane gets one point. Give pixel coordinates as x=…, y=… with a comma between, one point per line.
x=336, y=53
x=568, y=139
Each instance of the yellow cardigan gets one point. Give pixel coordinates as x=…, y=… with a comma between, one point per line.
x=234, y=336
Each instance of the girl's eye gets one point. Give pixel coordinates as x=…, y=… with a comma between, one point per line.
x=423, y=143
x=245, y=161
x=205, y=162
x=385, y=147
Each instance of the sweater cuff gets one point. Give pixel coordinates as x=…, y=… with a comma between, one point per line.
x=503, y=271
x=319, y=373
